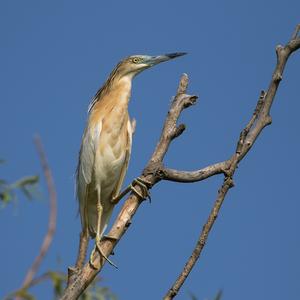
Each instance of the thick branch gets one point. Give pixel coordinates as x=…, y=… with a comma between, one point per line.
x=154, y=172
x=83, y=278
x=170, y=130
x=248, y=136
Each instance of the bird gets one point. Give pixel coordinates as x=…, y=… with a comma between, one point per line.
x=106, y=146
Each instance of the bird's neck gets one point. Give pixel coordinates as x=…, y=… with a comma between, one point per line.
x=120, y=90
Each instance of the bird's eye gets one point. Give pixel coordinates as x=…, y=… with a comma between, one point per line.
x=136, y=60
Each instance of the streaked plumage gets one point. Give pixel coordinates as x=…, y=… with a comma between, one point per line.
x=104, y=155
x=106, y=144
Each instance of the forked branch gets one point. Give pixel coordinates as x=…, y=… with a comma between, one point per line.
x=260, y=119
x=81, y=279
x=155, y=172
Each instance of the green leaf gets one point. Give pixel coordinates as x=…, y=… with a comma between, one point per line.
x=58, y=281
x=219, y=295
x=27, y=185
x=193, y=297
x=25, y=295
x=5, y=196
x=97, y=293
x=2, y=182
x=25, y=181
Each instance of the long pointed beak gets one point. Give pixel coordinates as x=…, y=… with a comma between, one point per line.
x=154, y=60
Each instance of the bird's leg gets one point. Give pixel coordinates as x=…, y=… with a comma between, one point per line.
x=98, y=237
x=144, y=185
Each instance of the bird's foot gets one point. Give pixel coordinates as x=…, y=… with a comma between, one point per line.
x=145, y=185
x=108, y=237
x=98, y=248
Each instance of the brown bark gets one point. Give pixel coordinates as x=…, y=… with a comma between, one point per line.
x=260, y=119
x=155, y=171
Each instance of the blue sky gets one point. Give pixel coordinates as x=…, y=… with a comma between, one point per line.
x=54, y=55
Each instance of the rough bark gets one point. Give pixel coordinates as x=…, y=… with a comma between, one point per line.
x=155, y=171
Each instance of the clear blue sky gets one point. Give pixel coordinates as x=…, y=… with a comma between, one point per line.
x=54, y=55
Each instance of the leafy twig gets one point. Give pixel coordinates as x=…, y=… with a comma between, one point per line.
x=52, y=214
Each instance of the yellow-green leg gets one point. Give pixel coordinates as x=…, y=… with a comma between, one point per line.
x=98, y=237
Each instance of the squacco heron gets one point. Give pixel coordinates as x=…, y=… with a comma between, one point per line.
x=106, y=146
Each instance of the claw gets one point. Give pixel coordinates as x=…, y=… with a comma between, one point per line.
x=91, y=259
x=97, y=247
x=135, y=191
x=144, y=184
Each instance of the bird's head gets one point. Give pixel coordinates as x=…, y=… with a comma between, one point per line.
x=128, y=68
x=135, y=64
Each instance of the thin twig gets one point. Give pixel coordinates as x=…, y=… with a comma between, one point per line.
x=35, y=281
x=193, y=176
x=260, y=119
x=52, y=214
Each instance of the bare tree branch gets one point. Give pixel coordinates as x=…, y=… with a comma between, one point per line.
x=52, y=215
x=83, y=245
x=248, y=136
x=155, y=171
x=82, y=278
x=35, y=281
x=193, y=176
